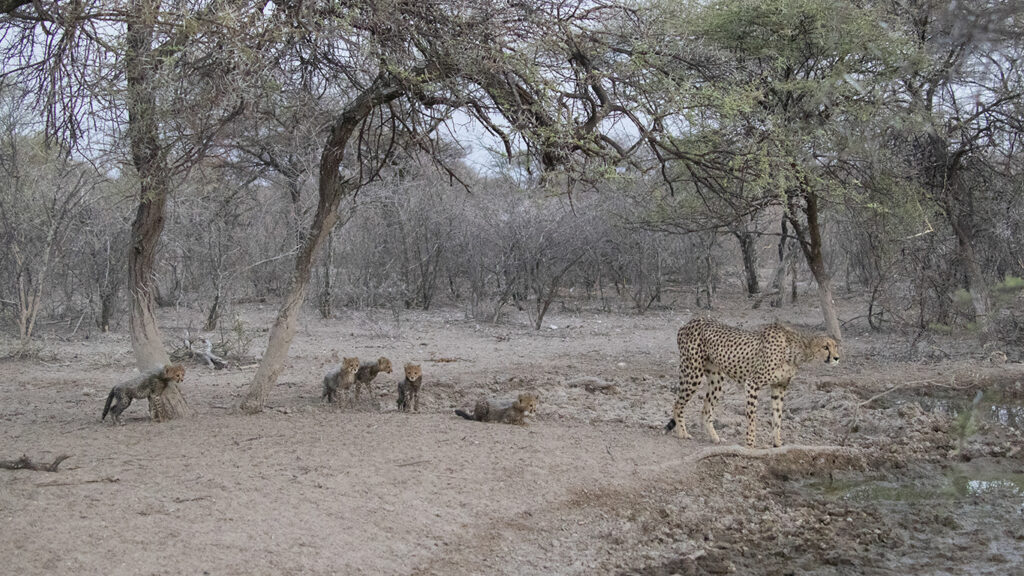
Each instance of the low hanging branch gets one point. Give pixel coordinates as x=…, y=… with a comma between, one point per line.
x=24, y=463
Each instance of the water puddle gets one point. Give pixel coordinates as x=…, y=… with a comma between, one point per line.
x=1012, y=484
x=993, y=406
x=956, y=484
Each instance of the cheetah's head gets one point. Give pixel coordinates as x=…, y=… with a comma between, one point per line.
x=350, y=365
x=413, y=372
x=527, y=403
x=827, y=347
x=384, y=365
x=175, y=372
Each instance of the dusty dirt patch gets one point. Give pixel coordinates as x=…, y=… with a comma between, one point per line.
x=590, y=487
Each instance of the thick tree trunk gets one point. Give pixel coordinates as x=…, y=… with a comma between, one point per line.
x=107, y=303
x=332, y=188
x=964, y=230
x=748, y=247
x=326, y=297
x=149, y=159
x=146, y=341
x=811, y=244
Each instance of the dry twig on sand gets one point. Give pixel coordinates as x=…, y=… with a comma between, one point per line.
x=24, y=463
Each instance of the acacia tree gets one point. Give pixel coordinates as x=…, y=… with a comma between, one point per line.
x=804, y=75
x=527, y=72
x=962, y=98
x=166, y=67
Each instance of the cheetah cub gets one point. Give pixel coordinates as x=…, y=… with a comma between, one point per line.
x=409, y=389
x=368, y=371
x=150, y=386
x=341, y=377
x=505, y=412
x=768, y=356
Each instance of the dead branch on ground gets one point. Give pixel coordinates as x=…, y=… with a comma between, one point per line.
x=111, y=479
x=200, y=349
x=745, y=452
x=24, y=463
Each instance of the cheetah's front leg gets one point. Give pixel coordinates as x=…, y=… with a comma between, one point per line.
x=752, y=390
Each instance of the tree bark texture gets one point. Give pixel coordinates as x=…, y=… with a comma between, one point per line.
x=332, y=187
x=748, y=247
x=811, y=245
x=150, y=161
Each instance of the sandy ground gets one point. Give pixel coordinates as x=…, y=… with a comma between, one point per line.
x=928, y=483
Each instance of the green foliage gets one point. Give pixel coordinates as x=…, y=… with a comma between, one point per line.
x=235, y=342
x=1005, y=292
x=961, y=298
x=966, y=423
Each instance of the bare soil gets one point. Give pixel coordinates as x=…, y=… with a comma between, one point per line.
x=930, y=479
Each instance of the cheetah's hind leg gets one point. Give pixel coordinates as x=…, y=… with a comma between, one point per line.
x=686, y=391
x=714, y=394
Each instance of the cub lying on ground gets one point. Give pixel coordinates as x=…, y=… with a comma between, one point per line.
x=150, y=386
x=505, y=412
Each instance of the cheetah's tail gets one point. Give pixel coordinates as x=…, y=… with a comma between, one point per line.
x=464, y=415
x=671, y=424
x=106, y=407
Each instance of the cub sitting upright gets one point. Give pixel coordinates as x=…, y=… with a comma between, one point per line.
x=507, y=412
x=150, y=386
x=409, y=389
x=343, y=376
x=368, y=371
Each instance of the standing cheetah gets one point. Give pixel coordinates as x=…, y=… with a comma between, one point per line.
x=765, y=357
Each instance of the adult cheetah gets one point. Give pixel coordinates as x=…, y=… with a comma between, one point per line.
x=768, y=356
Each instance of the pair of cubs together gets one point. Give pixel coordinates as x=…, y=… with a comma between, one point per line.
x=351, y=374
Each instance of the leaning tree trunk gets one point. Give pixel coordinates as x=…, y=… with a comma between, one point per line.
x=811, y=244
x=326, y=297
x=149, y=159
x=332, y=188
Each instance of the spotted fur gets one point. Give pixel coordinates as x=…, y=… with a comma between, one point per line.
x=368, y=371
x=505, y=412
x=409, y=389
x=768, y=356
x=341, y=377
x=150, y=386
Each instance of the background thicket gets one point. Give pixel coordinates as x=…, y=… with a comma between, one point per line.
x=507, y=158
